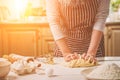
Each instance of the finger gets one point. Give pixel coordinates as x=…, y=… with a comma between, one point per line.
x=95, y=60
x=68, y=58
x=76, y=55
x=84, y=55
x=92, y=59
x=89, y=59
x=73, y=56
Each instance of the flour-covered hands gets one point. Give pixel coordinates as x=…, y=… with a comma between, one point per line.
x=70, y=56
x=89, y=57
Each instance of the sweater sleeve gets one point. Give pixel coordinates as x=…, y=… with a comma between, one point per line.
x=53, y=16
x=102, y=13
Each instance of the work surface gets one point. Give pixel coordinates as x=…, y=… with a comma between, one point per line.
x=61, y=72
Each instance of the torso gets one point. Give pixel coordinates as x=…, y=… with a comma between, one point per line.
x=77, y=20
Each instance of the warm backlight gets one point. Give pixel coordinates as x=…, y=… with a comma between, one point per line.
x=20, y=6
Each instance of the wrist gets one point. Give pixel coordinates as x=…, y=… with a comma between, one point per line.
x=92, y=52
x=66, y=53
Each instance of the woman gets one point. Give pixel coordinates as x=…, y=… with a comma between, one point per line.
x=77, y=27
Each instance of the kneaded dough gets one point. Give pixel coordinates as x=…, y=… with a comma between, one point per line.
x=79, y=63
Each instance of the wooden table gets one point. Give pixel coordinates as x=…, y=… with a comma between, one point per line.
x=63, y=73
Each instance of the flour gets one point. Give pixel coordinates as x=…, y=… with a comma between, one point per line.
x=106, y=71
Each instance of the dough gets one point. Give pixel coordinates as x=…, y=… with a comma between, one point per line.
x=79, y=63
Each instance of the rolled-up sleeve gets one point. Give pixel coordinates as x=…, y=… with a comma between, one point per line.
x=53, y=17
x=102, y=13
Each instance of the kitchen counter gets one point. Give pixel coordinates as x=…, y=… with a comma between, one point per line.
x=29, y=20
x=23, y=22
x=112, y=23
x=19, y=24
x=31, y=23
x=64, y=73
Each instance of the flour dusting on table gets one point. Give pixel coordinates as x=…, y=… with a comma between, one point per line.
x=106, y=71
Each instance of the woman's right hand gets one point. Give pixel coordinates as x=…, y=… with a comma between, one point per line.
x=90, y=57
x=69, y=56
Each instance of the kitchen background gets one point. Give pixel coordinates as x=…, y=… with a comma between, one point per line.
x=24, y=29
x=18, y=9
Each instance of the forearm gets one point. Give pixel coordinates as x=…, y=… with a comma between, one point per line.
x=98, y=28
x=94, y=43
x=62, y=44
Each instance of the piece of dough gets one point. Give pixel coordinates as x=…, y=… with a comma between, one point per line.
x=79, y=63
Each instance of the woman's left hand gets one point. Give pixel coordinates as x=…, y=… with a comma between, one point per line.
x=71, y=56
x=90, y=57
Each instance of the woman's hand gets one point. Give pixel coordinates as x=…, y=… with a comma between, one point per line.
x=69, y=56
x=90, y=57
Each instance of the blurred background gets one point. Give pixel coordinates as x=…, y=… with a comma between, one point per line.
x=19, y=9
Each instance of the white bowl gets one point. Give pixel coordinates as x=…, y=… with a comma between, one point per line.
x=4, y=67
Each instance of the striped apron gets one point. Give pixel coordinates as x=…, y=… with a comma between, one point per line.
x=77, y=21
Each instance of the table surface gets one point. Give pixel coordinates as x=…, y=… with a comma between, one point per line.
x=61, y=72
